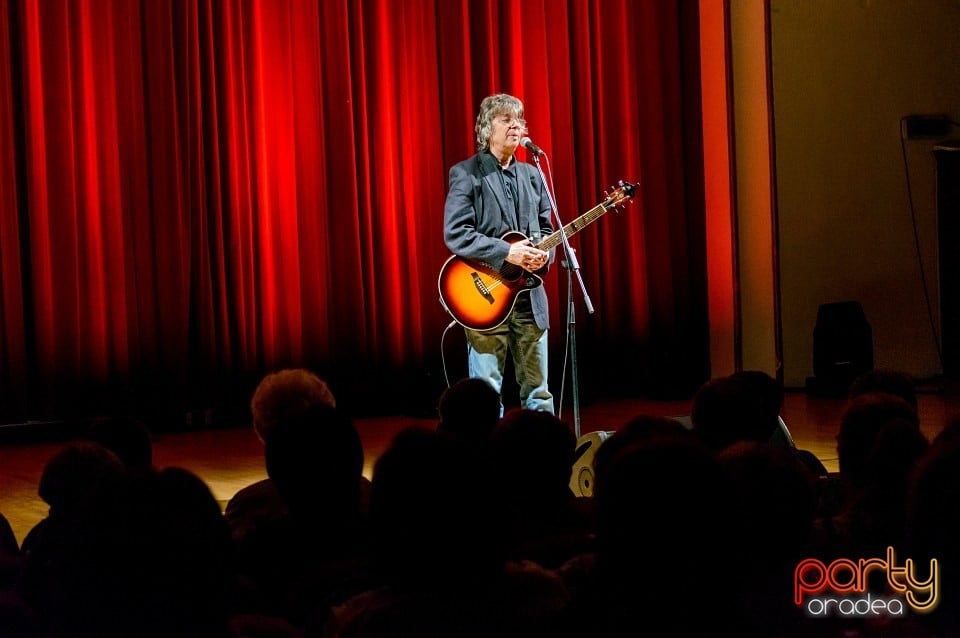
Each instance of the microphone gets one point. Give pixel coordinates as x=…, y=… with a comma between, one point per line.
x=528, y=144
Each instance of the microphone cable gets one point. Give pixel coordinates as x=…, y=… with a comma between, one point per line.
x=443, y=353
x=937, y=337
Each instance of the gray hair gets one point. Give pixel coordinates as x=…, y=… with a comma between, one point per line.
x=491, y=107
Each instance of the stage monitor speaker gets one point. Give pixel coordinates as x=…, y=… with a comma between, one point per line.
x=581, y=479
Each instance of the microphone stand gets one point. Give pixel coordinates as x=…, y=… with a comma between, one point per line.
x=573, y=268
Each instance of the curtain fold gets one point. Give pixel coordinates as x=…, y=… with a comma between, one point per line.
x=195, y=192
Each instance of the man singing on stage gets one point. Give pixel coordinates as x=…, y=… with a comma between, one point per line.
x=490, y=194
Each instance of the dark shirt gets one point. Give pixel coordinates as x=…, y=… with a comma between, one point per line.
x=509, y=176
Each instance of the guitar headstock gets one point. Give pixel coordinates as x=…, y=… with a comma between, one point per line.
x=623, y=192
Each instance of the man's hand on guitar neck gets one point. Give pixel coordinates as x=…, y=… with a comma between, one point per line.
x=523, y=254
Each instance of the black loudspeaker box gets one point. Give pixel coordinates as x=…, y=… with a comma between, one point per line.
x=842, y=348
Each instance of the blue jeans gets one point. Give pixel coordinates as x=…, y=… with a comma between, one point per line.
x=527, y=344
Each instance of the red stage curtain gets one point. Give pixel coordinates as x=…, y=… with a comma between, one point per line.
x=198, y=191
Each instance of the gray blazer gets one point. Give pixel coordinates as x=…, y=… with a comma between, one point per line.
x=477, y=214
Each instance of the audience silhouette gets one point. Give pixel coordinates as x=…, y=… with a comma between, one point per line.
x=774, y=507
x=878, y=444
x=314, y=551
x=9, y=551
x=664, y=531
x=279, y=395
x=126, y=553
x=745, y=406
x=886, y=381
x=733, y=408
x=436, y=525
x=532, y=458
x=470, y=408
x=470, y=529
x=933, y=529
x=128, y=438
x=17, y=619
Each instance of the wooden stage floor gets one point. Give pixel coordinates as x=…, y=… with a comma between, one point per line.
x=230, y=458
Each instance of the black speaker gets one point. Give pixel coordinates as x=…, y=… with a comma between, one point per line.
x=842, y=347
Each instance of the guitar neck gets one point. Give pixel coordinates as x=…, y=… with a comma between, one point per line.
x=578, y=224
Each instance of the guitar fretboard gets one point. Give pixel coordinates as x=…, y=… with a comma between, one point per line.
x=578, y=224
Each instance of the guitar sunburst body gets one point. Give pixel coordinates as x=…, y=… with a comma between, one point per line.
x=481, y=297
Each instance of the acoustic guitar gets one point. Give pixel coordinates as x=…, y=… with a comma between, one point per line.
x=480, y=297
